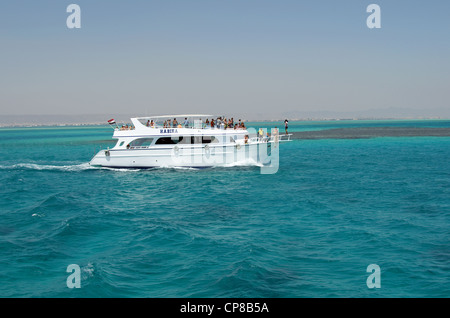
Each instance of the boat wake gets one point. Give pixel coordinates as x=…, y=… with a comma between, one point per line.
x=86, y=166
x=34, y=166
x=244, y=163
x=67, y=168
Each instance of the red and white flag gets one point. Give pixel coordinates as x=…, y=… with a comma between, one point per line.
x=111, y=121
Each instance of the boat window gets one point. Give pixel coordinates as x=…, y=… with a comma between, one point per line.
x=186, y=140
x=168, y=140
x=209, y=139
x=121, y=144
x=199, y=140
x=141, y=142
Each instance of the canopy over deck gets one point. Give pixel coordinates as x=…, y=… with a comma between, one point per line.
x=175, y=116
x=193, y=121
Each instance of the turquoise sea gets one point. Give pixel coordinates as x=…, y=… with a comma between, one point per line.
x=334, y=207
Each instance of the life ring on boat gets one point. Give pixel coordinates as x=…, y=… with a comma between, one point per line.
x=176, y=150
x=207, y=149
x=238, y=146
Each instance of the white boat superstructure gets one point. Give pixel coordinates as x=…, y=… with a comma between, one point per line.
x=162, y=141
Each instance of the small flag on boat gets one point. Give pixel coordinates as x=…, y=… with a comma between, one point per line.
x=111, y=121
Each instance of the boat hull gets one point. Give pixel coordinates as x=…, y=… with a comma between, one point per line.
x=196, y=157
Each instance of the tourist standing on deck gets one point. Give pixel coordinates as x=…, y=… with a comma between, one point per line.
x=286, y=126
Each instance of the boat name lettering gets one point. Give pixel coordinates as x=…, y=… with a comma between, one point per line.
x=166, y=131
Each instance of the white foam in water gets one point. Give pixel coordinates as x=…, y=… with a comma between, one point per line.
x=244, y=163
x=87, y=166
x=70, y=168
x=33, y=166
x=115, y=169
x=183, y=168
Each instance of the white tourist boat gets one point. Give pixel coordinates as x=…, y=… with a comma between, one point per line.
x=191, y=142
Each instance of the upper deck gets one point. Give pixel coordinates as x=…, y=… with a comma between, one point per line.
x=178, y=125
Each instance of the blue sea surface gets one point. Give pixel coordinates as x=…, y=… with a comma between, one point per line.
x=334, y=207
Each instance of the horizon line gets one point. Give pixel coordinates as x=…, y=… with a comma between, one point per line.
x=101, y=123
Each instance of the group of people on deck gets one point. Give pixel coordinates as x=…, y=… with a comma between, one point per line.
x=171, y=123
x=127, y=127
x=224, y=123
x=219, y=123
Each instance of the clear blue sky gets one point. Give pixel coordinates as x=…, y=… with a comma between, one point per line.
x=246, y=56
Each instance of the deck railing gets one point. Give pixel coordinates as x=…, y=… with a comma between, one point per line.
x=182, y=126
